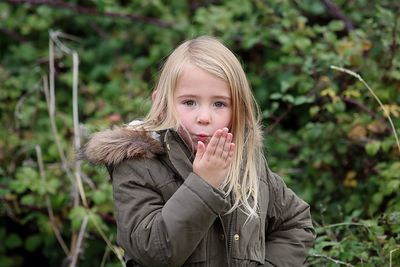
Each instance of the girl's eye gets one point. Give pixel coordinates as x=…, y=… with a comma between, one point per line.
x=189, y=103
x=219, y=104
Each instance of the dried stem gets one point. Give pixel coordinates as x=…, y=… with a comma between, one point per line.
x=48, y=203
x=77, y=139
x=50, y=99
x=387, y=114
x=81, y=235
x=54, y=130
x=75, y=244
x=390, y=256
x=108, y=242
x=20, y=103
x=106, y=253
x=332, y=260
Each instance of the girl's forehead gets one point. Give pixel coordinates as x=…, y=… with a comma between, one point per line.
x=194, y=80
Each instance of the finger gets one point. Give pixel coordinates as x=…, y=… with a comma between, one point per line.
x=212, y=145
x=226, y=149
x=219, y=150
x=231, y=153
x=201, y=148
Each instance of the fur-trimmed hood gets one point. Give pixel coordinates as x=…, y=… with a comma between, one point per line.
x=111, y=147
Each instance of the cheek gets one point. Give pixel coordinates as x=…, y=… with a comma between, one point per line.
x=228, y=119
x=184, y=117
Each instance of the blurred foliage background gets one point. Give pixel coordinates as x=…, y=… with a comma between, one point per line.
x=325, y=133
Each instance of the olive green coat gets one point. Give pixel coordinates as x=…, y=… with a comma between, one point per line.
x=169, y=216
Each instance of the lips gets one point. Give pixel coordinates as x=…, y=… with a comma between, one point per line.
x=202, y=137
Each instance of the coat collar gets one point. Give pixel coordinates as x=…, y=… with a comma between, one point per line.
x=111, y=147
x=178, y=153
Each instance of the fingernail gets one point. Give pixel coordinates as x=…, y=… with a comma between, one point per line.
x=225, y=129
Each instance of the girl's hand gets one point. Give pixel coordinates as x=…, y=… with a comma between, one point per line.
x=212, y=163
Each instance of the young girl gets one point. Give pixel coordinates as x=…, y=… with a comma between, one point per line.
x=190, y=184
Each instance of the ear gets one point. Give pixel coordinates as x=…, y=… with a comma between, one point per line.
x=153, y=95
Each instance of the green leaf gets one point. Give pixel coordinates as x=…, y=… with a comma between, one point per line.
x=302, y=43
x=336, y=25
x=99, y=197
x=76, y=216
x=33, y=242
x=13, y=241
x=372, y=147
x=275, y=96
x=28, y=199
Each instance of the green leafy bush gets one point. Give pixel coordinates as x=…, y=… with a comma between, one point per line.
x=325, y=133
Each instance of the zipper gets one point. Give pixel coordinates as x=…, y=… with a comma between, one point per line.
x=225, y=239
x=229, y=235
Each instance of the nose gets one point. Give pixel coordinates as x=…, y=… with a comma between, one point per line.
x=203, y=116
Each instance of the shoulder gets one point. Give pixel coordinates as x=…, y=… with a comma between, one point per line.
x=267, y=176
x=271, y=181
x=112, y=147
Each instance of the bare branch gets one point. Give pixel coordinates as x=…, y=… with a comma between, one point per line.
x=104, y=216
x=279, y=119
x=48, y=203
x=54, y=129
x=14, y=35
x=394, y=45
x=332, y=260
x=81, y=235
x=385, y=111
x=337, y=13
x=94, y=11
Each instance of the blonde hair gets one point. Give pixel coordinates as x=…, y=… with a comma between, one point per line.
x=212, y=56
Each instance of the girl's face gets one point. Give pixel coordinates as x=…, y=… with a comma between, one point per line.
x=203, y=103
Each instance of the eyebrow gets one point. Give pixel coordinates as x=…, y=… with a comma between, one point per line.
x=195, y=96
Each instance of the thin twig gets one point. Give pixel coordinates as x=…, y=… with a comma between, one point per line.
x=387, y=114
x=19, y=105
x=390, y=256
x=54, y=130
x=361, y=106
x=95, y=12
x=394, y=45
x=104, y=216
x=344, y=224
x=106, y=253
x=14, y=35
x=337, y=13
x=77, y=139
x=108, y=242
x=81, y=235
x=332, y=259
x=76, y=245
x=51, y=103
x=279, y=119
x=88, y=181
x=48, y=203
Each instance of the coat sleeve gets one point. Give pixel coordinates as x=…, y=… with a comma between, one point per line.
x=154, y=232
x=290, y=233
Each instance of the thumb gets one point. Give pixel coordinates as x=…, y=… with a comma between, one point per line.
x=201, y=149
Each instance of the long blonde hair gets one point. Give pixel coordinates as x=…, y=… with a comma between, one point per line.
x=212, y=56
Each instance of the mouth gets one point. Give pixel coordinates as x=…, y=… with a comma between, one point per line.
x=202, y=137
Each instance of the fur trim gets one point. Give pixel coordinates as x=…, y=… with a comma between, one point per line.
x=111, y=147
